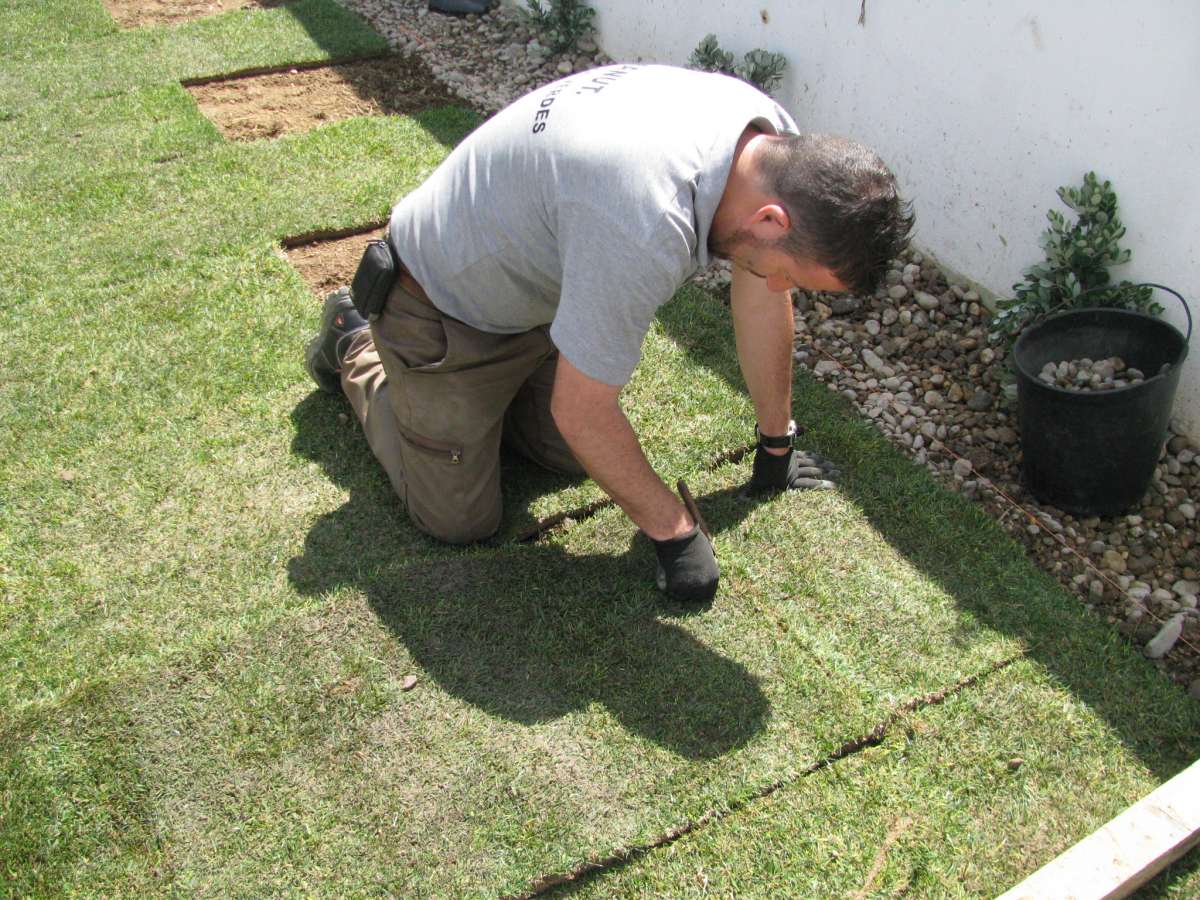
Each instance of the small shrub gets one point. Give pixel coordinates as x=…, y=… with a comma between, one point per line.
x=709, y=57
x=1075, y=273
x=561, y=24
x=760, y=68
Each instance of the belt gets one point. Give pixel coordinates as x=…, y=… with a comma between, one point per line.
x=411, y=286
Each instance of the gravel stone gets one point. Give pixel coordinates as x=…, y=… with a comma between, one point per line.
x=980, y=401
x=1160, y=645
x=871, y=358
x=1113, y=561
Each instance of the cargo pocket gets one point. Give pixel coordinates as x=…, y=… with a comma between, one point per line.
x=452, y=491
x=434, y=451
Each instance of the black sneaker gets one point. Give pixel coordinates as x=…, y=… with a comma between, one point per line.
x=323, y=357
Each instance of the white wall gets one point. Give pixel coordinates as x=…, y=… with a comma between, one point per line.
x=983, y=109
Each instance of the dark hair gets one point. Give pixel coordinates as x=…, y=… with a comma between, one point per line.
x=842, y=200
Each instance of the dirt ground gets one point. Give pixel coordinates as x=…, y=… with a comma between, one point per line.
x=326, y=265
x=266, y=106
x=142, y=13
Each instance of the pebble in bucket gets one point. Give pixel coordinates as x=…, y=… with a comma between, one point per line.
x=1092, y=452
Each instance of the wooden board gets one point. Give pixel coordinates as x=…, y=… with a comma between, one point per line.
x=1117, y=859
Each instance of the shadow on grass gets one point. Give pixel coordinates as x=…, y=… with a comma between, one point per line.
x=957, y=545
x=526, y=632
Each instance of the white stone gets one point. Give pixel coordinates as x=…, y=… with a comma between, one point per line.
x=1182, y=587
x=926, y=301
x=1160, y=645
x=871, y=358
x=962, y=467
x=1139, y=592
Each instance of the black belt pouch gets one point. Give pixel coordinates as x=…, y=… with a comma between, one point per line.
x=374, y=279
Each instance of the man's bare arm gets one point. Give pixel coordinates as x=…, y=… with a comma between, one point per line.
x=589, y=415
x=763, y=328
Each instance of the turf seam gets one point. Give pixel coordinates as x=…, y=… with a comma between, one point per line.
x=279, y=69
x=321, y=235
x=593, y=868
x=543, y=526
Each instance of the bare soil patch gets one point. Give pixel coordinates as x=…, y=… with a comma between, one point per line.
x=143, y=13
x=325, y=265
x=255, y=107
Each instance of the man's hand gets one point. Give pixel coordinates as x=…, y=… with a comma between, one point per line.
x=791, y=470
x=687, y=567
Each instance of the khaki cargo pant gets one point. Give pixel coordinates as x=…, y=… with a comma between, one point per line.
x=436, y=397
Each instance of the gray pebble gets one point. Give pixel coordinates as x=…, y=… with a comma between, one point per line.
x=980, y=401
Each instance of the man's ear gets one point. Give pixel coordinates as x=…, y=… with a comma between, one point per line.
x=770, y=223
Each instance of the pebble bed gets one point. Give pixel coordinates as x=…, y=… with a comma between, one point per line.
x=488, y=60
x=1088, y=375
x=915, y=360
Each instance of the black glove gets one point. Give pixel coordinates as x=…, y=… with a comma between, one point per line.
x=687, y=567
x=793, y=470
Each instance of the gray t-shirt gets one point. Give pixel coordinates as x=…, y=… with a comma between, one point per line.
x=584, y=204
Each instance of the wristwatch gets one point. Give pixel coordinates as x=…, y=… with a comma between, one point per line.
x=776, y=442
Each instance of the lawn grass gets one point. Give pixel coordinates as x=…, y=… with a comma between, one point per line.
x=959, y=800
x=211, y=604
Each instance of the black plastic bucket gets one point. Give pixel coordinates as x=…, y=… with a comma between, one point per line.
x=1093, y=453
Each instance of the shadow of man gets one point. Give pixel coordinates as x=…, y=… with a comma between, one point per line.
x=526, y=632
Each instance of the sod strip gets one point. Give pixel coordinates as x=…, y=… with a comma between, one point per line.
x=126, y=227
x=543, y=708
x=962, y=799
x=558, y=713
x=102, y=139
x=32, y=27
x=598, y=867
x=240, y=41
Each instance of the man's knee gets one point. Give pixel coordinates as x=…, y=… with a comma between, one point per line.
x=457, y=527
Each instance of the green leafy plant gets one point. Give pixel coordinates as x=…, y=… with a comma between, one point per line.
x=709, y=57
x=760, y=68
x=1075, y=272
x=561, y=23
